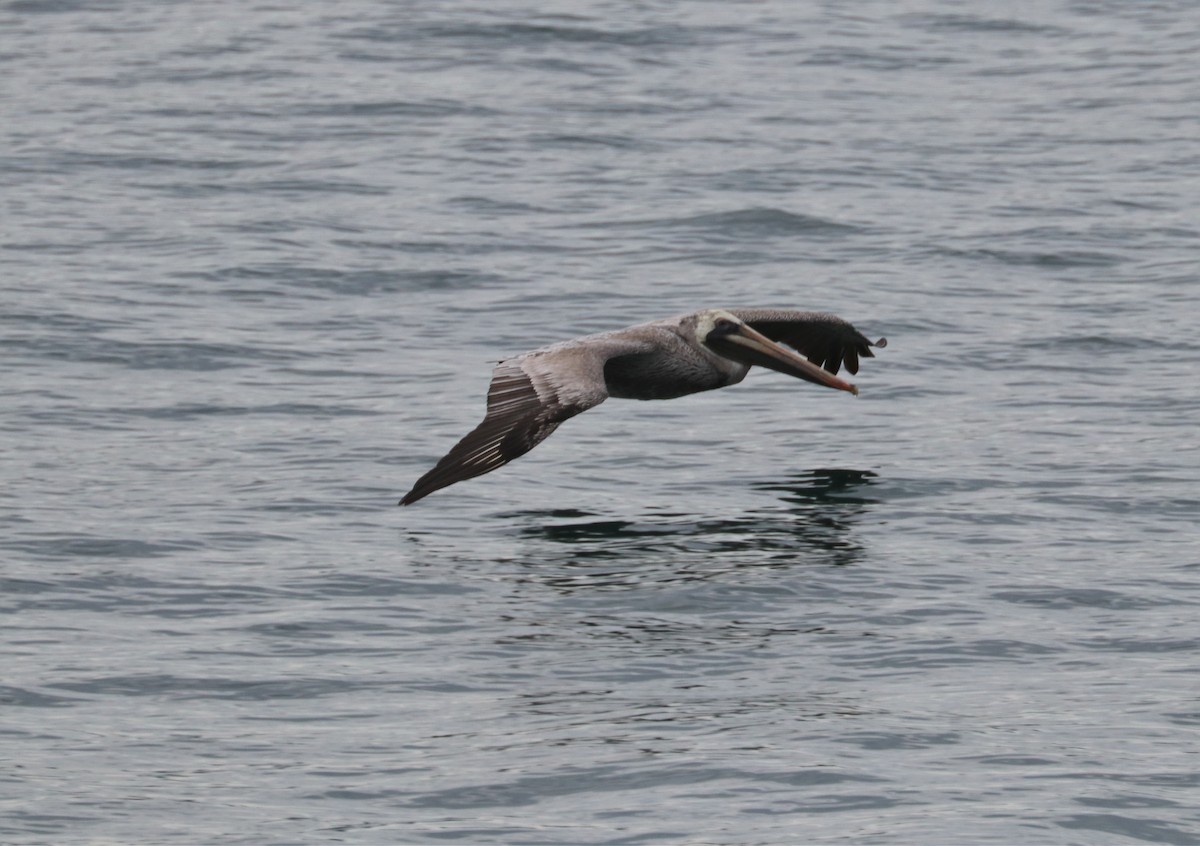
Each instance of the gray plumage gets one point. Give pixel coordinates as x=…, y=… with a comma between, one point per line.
x=531, y=394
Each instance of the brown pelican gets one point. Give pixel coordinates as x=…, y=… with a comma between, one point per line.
x=534, y=392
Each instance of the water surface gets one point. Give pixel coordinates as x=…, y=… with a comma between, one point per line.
x=256, y=263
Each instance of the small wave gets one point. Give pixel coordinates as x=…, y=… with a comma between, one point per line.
x=433, y=108
x=1103, y=343
x=890, y=59
x=77, y=545
x=1077, y=597
x=491, y=206
x=619, y=142
x=951, y=22
x=742, y=223
x=535, y=34
x=148, y=355
x=22, y=697
x=767, y=221
x=1038, y=258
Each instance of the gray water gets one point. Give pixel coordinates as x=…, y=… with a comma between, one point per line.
x=256, y=261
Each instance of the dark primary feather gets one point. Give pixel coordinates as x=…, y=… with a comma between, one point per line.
x=824, y=339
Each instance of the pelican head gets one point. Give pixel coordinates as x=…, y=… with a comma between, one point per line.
x=727, y=336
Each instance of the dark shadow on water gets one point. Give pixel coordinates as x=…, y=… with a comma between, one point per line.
x=809, y=520
x=825, y=485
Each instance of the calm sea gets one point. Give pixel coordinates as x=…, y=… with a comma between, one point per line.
x=256, y=261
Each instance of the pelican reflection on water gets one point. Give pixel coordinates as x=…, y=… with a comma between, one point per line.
x=532, y=393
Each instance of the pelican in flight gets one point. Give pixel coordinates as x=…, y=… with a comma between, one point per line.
x=534, y=392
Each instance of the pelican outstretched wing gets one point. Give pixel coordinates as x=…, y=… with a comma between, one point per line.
x=824, y=339
x=529, y=397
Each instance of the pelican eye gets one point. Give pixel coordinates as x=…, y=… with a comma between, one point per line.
x=725, y=325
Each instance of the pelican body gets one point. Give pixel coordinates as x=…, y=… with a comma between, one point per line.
x=534, y=392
